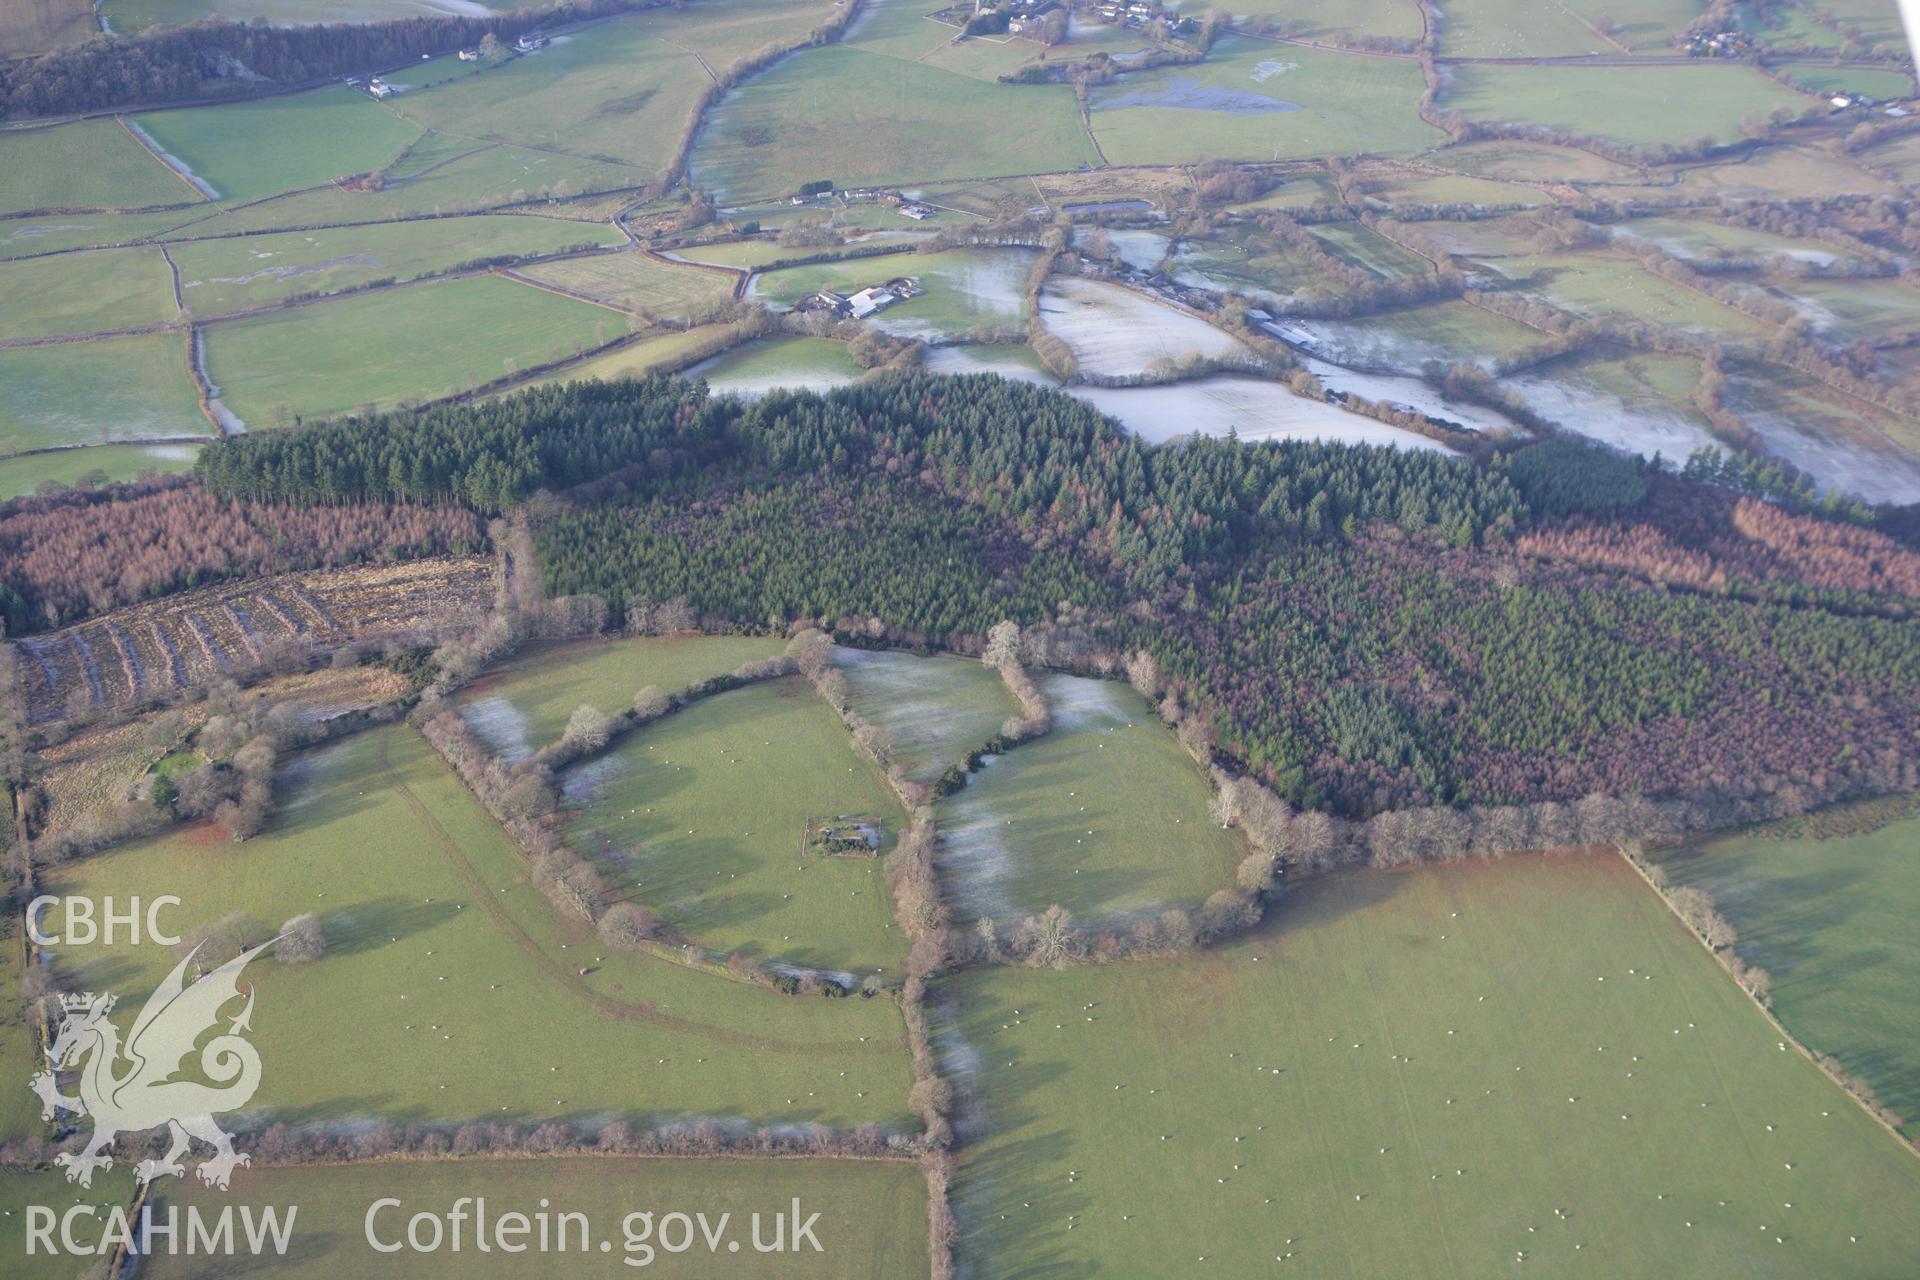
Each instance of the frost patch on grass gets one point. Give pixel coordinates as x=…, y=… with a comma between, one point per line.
x=1115, y=332
x=1080, y=703
x=1252, y=407
x=1005, y=361
x=501, y=725
x=1184, y=93
x=1410, y=393
x=1580, y=407
x=581, y=785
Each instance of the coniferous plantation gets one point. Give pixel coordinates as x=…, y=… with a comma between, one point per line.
x=1018, y=640
x=1355, y=626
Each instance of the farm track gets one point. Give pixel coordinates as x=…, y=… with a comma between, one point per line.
x=568, y=980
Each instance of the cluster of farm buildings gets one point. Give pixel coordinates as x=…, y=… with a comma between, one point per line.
x=858, y=306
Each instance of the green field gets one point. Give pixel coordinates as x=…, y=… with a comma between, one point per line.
x=1515, y=28
x=1817, y=78
x=1634, y=105
x=725, y=33
x=85, y=293
x=741, y=253
x=249, y=150
x=1331, y=24
x=1829, y=919
x=1452, y=189
x=964, y=288
x=638, y=282
x=440, y=176
x=935, y=710
x=765, y=363
x=1856, y=310
x=53, y=232
x=1370, y=251
x=91, y=164
x=610, y=91
x=1877, y=21
x=1692, y=237
x=702, y=818
x=20, y=1054
x=1251, y=100
x=130, y=17
x=1473, y=1070
x=236, y=274
x=49, y=1187
x=450, y=990
x=523, y=704
x=905, y=29
x=68, y=467
x=791, y=125
x=635, y=360
x=1106, y=815
x=415, y=343
x=1613, y=284
x=89, y=392
x=872, y=1216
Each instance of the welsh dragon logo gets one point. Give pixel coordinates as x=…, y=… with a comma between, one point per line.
x=131, y=1088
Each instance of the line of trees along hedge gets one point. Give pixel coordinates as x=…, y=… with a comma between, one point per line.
x=210, y=60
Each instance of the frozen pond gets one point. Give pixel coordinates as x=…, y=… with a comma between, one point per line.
x=1253, y=407
x=1115, y=332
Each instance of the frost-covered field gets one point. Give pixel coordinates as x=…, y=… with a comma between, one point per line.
x=1115, y=332
x=935, y=710
x=1253, y=407
x=1574, y=404
x=1105, y=815
x=1018, y=363
x=1410, y=393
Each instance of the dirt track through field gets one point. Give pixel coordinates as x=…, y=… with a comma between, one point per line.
x=562, y=976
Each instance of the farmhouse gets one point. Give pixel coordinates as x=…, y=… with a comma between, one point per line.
x=530, y=41
x=379, y=88
x=915, y=210
x=468, y=55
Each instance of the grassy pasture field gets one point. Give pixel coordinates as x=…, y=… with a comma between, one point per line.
x=872, y=1215
x=1106, y=816
x=1509, y=160
x=441, y=176
x=636, y=281
x=1515, y=28
x=1116, y=331
x=49, y=233
x=1853, y=310
x=450, y=992
x=1370, y=251
x=1297, y=193
x=1829, y=918
x=523, y=704
x=85, y=293
x=1259, y=270
x=1817, y=78
x=1416, y=1074
x=1694, y=237
x=415, y=343
x=1251, y=100
x=68, y=467
x=20, y=1054
x=936, y=710
x=28, y=27
x=1407, y=341
x=1601, y=283
x=635, y=360
x=760, y=366
x=1634, y=105
x=130, y=17
x=89, y=164
x=1876, y=21
x=250, y=150
x=1459, y=189
x=1775, y=172
x=701, y=817
x=964, y=288
x=90, y=392
x=611, y=91
x=789, y=125
x=1330, y=24
x=239, y=273
x=725, y=33
x=1840, y=442
x=22, y=1187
